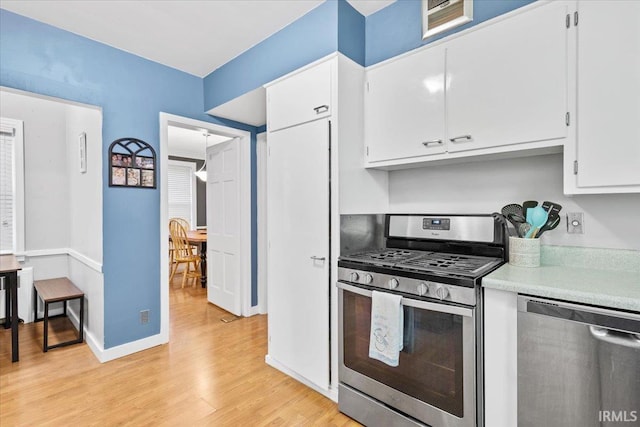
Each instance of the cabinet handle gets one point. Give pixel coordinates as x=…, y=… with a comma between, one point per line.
x=318, y=258
x=433, y=141
x=321, y=109
x=460, y=138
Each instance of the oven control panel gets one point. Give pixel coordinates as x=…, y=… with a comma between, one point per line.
x=423, y=288
x=436, y=223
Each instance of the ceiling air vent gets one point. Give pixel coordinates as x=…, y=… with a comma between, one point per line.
x=442, y=15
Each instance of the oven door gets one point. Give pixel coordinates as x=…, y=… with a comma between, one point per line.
x=435, y=381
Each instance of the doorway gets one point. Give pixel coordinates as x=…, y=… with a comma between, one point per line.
x=242, y=280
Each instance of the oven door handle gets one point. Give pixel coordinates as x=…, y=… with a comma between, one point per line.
x=410, y=302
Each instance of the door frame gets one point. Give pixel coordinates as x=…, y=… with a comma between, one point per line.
x=261, y=172
x=166, y=120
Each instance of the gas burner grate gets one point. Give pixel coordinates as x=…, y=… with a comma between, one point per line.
x=383, y=257
x=459, y=264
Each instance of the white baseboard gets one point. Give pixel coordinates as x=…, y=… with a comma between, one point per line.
x=124, y=349
x=253, y=311
x=115, y=352
x=330, y=393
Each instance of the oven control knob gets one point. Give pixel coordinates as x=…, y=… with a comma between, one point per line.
x=441, y=291
x=393, y=283
x=354, y=276
x=423, y=289
x=368, y=279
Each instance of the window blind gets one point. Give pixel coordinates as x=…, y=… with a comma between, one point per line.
x=180, y=192
x=7, y=191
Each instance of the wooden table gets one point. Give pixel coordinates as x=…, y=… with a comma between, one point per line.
x=9, y=268
x=199, y=238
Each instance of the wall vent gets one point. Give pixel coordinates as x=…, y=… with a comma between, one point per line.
x=442, y=15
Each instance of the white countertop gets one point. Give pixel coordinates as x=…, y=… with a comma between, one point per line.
x=602, y=277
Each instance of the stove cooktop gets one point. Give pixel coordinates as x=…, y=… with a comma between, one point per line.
x=425, y=261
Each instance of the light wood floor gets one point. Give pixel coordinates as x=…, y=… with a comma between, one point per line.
x=210, y=374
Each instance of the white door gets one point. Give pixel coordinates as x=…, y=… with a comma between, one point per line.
x=223, y=226
x=298, y=230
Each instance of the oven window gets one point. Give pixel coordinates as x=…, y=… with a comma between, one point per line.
x=430, y=367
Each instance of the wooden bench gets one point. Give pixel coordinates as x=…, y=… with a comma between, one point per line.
x=57, y=290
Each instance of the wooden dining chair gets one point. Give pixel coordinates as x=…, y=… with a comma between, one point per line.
x=186, y=226
x=184, y=253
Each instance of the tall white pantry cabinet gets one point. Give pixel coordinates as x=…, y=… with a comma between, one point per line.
x=314, y=173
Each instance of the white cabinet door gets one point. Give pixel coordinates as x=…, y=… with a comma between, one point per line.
x=404, y=107
x=301, y=98
x=608, y=131
x=298, y=261
x=507, y=83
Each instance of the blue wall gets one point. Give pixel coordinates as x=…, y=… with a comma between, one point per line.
x=311, y=37
x=397, y=28
x=132, y=91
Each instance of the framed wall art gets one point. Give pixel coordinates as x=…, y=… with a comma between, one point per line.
x=132, y=163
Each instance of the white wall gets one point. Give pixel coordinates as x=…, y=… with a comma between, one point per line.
x=84, y=208
x=63, y=207
x=45, y=158
x=610, y=221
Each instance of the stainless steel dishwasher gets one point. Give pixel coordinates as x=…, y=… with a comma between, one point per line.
x=577, y=365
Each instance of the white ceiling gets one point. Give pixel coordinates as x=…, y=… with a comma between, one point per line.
x=195, y=36
x=190, y=142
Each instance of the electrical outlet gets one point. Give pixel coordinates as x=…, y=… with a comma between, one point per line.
x=575, y=223
x=144, y=317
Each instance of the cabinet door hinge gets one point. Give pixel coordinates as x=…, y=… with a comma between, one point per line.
x=575, y=18
x=367, y=151
x=567, y=119
x=568, y=20
x=367, y=86
x=575, y=167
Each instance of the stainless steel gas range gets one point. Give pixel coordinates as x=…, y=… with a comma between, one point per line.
x=435, y=263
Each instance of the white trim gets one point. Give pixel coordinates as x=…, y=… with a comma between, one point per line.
x=253, y=311
x=93, y=264
x=330, y=393
x=166, y=119
x=124, y=349
x=263, y=247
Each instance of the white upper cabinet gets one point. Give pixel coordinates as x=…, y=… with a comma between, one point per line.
x=498, y=88
x=300, y=98
x=608, y=99
x=404, y=107
x=507, y=82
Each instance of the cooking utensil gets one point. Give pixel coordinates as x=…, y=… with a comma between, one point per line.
x=526, y=207
x=523, y=229
x=539, y=218
x=512, y=208
x=516, y=219
x=552, y=207
x=552, y=223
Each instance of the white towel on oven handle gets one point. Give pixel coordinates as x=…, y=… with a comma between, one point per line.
x=387, y=331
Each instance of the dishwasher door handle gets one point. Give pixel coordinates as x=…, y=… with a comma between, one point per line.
x=625, y=339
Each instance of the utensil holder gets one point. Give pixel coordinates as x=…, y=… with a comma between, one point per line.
x=524, y=252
